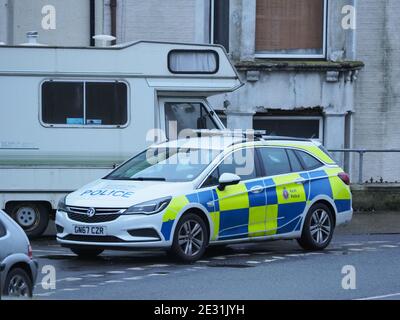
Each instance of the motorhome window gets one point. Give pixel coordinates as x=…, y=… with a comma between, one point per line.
x=193, y=61
x=62, y=103
x=181, y=116
x=106, y=103
x=81, y=103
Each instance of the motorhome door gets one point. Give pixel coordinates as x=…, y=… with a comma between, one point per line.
x=179, y=114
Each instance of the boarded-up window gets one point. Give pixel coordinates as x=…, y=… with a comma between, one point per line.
x=290, y=26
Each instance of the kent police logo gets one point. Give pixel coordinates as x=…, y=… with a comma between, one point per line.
x=91, y=212
x=285, y=194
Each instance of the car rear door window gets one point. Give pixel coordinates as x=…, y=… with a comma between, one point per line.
x=275, y=161
x=294, y=161
x=242, y=162
x=309, y=162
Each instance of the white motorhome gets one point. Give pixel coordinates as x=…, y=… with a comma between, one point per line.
x=69, y=115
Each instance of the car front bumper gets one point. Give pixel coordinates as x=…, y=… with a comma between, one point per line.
x=120, y=233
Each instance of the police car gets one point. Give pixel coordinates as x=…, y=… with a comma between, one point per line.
x=185, y=195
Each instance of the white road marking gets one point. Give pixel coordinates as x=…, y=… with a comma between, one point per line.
x=203, y=261
x=380, y=297
x=219, y=258
x=70, y=289
x=352, y=244
x=133, y=278
x=377, y=242
x=116, y=272
x=200, y=268
x=88, y=286
x=356, y=249
x=253, y=262
x=135, y=269
x=156, y=274
x=72, y=279
x=93, y=275
x=261, y=253
x=278, y=258
x=113, y=281
x=388, y=246
x=158, y=265
x=270, y=260
x=43, y=294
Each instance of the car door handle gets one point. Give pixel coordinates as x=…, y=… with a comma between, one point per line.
x=300, y=181
x=257, y=189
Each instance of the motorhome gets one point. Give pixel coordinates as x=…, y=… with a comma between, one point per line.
x=69, y=115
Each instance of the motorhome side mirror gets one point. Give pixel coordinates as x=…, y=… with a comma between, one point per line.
x=227, y=179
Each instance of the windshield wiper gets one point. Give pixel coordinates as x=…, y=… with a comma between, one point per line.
x=148, y=179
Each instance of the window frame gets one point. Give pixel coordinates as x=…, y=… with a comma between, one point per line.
x=260, y=54
x=84, y=81
x=214, y=52
x=260, y=172
x=212, y=27
x=296, y=151
x=305, y=118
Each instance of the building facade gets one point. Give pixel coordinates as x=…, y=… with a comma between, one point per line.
x=301, y=61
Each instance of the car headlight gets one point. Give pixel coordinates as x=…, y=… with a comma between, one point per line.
x=149, y=207
x=61, y=204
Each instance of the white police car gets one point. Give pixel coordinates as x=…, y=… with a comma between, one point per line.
x=186, y=194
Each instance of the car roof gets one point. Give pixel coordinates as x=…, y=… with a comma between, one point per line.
x=222, y=142
x=216, y=142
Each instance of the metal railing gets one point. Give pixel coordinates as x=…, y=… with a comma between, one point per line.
x=361, y=153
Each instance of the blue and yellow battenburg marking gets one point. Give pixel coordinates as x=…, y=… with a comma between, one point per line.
x=262, y=207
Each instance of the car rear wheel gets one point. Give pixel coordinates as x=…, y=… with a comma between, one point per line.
x=190, y=238
x=32, y=217
x=18, y=284
x=318, y=228
x=86, y=253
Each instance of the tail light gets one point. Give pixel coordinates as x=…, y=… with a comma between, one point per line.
x=344, y=177
x=30, y=252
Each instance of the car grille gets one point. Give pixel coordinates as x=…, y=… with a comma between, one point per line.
x=102, y=214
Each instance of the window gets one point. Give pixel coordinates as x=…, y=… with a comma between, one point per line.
x=275, y=161
x=309, y=162
x=242, y=162
x=291, y=126
x=84, y=103
x=187, y=116
x=291, y=28
x=294, y=161
x=3, y=230
x=220, y=23
x=193, y=61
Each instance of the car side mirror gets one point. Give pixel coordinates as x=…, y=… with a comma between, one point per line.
x=227, y=179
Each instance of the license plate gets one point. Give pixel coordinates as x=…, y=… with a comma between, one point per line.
x=90, y=230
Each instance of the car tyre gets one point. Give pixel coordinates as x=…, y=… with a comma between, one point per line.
x=318, y=228
x=18, y=284
x=86, y=253
x=33, y=218
x=190, y=238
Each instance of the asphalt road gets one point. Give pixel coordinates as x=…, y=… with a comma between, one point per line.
x=269, y=270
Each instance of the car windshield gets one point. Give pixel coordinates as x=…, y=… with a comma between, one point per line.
x=165, y=164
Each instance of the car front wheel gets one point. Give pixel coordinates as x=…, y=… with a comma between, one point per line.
x=318, y=228
x=190, y=238
x=18, y=284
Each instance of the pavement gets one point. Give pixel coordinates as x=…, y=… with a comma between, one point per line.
x=368, y=248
